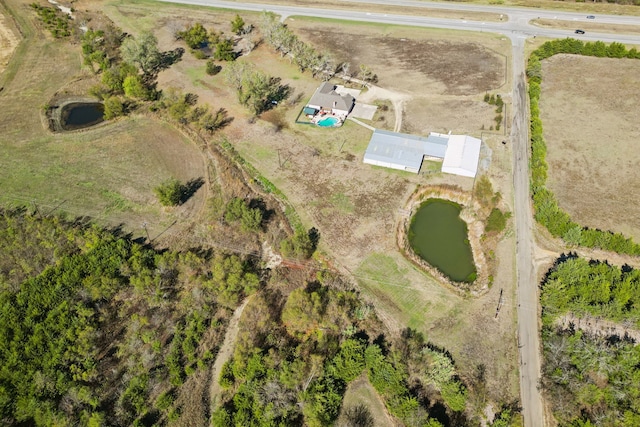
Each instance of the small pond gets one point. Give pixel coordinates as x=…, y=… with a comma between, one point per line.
x=80, y=115
x=439, y=236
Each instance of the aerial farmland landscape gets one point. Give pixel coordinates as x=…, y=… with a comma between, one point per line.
x=300, y=213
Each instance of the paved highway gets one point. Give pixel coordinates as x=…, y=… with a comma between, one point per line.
x=517, y=28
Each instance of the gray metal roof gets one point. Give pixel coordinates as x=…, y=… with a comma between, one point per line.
x=404, y=149
x=325, y=97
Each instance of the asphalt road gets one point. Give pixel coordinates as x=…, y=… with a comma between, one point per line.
x=517, y=28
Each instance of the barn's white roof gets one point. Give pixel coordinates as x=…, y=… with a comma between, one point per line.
x=462, y=155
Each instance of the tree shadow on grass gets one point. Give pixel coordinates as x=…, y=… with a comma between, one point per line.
x=170, y=57
x=190, y=188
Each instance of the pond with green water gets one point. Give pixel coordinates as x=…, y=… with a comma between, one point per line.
x=439, y=236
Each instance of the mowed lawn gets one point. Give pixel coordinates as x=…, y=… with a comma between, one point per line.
x=107, y=172
x=590, y=121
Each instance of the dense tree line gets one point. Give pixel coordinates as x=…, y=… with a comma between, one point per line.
x=547, y=211
x=288, y=44
x=99, y=330
x=591, y=380
x=593, y=288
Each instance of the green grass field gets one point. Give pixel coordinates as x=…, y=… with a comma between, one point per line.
x=107, y=172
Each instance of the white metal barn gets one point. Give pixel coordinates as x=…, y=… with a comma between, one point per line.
x=406, y=152
x=462, y=155
x=402, y=151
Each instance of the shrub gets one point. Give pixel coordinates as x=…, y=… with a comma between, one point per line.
x=195, y=36
x=113, y=108
x=454, y=395
x=134, y=87
x=199, y=54
x=497, y=220
x=212, y=68
x=170, y=192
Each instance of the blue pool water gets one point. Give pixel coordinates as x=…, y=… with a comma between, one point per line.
x=328, y=122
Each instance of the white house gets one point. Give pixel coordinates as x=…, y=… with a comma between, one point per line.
x=326, y=99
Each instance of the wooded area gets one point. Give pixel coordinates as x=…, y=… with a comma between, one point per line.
x=101, y=330
x=588, y=379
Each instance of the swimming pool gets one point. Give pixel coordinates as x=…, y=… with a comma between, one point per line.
x=328, y=122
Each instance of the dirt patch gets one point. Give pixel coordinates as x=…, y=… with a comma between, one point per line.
x=592, y=146
x=433, y=114
x=598, y=327
x=8, y=40
x=406, y=61
x=361, y=392
x=225, y=352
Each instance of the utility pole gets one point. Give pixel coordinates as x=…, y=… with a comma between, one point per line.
x=144, y=225
x=499, y=304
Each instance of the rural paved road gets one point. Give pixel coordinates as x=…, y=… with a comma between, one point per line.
x=517, y=29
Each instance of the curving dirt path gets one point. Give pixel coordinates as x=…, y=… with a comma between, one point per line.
x=397, y=99
x=226, y=350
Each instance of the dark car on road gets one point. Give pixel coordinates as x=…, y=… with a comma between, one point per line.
x=591, y=17
x=579, y=31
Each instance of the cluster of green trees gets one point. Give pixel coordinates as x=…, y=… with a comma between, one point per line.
x=547, y=211
x=293, y=366
x=256, y=90
x=197, y=37
x=183, y=108
x=101, y=48
x=591, y=380
x=128, y=69
x=54, y=20
x=499, y=103
x=591, y=288
x=97, y=328
x=238, y=209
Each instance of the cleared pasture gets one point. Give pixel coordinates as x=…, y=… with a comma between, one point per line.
x=592, y=145
x=107, y=172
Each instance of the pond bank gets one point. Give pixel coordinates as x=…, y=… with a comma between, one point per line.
x=475, y=230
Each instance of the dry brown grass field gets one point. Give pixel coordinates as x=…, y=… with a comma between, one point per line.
x=592, y=145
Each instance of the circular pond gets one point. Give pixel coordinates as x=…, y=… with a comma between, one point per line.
x=78, y=115
x=438, y=235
